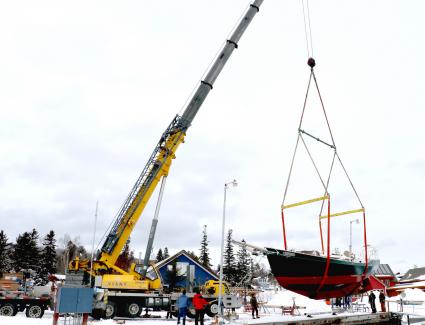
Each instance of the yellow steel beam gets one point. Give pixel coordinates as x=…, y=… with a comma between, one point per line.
x=342, y=213
x=322, y=198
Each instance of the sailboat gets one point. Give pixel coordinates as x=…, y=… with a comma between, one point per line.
x=321, y=274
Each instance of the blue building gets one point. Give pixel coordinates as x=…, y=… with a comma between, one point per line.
x=183, y=271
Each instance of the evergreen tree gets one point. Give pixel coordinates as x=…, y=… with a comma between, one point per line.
x=4, y=253
x=48, y=259
x=243, y=265
x=26, y=253
x=204, y=256
x=229, y=264
x=166, y=254
x=193, y=255
x=159, y=256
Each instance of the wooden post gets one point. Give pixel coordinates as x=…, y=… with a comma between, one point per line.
x=85, y=318
x=55, y=318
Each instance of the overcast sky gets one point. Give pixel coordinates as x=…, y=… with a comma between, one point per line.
x=87, y=88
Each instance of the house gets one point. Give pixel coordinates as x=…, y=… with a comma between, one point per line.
x=385, y=275
x=414, y=275
x=183, y=271
x=413, y=279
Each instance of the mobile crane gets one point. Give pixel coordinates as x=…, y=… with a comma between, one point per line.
x=145, y=279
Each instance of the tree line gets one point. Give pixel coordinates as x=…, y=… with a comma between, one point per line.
x=27, y=255
x=238, y=269
x=43, y=257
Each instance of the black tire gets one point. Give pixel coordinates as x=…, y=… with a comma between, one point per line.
x=96, y=314
x=190, y=312
x=110, y=310
x=133, y=310
x=34, y=311
x=212, y=309
x=8, y=309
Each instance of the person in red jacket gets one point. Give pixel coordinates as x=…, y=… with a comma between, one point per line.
x=199, y=303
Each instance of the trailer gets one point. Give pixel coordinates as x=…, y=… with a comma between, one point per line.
x=12, y=302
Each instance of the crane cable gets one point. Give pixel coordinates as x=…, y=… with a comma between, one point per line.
x=307, y=28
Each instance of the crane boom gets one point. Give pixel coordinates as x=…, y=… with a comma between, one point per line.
x=161, y=158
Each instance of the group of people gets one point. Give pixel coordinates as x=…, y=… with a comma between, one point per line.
x=344, y=302
x=200, y=305
x=372, y=298
x=198, y=302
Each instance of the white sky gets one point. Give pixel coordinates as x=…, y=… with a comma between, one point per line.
x=87, y=88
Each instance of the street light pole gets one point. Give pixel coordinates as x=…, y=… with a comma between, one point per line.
x=351, y=234
x=220, y=293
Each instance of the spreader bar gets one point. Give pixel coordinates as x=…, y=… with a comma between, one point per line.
x=342, y=213
x=322, y=198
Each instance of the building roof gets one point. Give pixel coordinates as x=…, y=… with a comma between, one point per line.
x=384, y=270
x=413, y=274
x=189, y=256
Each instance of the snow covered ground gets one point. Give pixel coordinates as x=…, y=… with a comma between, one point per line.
x=269, y=313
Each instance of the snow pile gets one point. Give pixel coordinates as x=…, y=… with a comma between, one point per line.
x=286, y=298
x=411, y=295
x=414, y=294
x=19, y=320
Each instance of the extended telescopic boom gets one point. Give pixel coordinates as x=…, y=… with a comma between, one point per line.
x=159, y=162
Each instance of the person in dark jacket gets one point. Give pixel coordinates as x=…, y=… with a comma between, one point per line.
x=182, y=304
x=199, y=303
x=254, y=305
x=372, y=298
x=382, y=301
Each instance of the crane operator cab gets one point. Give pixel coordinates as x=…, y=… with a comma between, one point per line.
x=151, y=273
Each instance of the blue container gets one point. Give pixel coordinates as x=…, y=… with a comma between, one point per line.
x=74, y=300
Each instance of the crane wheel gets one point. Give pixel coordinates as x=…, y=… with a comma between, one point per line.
x=96, y=314
x=110, y=310
x=191, y=312
x=34, y=311
x=212, y=309
x=133, y=310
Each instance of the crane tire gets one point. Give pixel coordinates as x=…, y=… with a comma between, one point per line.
x=110, y=310
x=212, y=309
x=96, y=314
x=34, y=311
x=8, y=309
x=190, y=312
x=133, y=310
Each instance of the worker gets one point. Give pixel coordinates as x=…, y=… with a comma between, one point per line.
x=372, y=298
x=254, y=305
x=182, y=304
x=382, y=301
x=199, y=303
x=347, y=302
x=170, y=312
